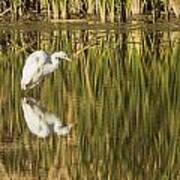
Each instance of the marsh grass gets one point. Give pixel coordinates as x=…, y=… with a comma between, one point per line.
x=101, y=10
x=121, y=91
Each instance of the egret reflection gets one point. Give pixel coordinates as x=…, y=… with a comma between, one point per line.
x=41, y=122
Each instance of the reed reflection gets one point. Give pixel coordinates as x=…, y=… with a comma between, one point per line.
x=40, y=122
x=122, y=90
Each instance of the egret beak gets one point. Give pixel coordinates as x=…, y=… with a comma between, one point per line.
x=68, y=59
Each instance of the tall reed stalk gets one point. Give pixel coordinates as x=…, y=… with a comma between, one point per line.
x=102, y=10
x=122, y=92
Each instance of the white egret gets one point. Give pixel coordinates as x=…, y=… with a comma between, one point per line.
x=39, y=64
x=40, y=122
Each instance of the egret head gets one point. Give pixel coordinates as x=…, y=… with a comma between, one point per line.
x=60, y=56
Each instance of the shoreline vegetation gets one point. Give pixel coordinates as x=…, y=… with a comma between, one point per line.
x=96, y=10
x=122, y=93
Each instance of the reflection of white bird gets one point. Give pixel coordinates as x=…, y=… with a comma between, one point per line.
x=39, y=64
x=42, y=123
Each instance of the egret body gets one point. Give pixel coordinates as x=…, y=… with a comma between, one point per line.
x=39, y=64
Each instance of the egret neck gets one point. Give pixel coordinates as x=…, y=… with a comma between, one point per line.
x=55, y=60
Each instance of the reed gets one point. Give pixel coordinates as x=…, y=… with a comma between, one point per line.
x=121, y=90
x=111, y=10
x=102, y=10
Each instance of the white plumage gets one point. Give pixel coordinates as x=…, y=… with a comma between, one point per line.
x=39, y=64
x=42, y=123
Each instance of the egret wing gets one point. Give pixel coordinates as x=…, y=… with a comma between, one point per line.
x=33, y=69
x=40, y=56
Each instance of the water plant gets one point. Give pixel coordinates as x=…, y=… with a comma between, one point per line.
x=121, y=90
x=102, y=10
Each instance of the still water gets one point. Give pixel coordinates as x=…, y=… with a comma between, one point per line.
x=112, y=113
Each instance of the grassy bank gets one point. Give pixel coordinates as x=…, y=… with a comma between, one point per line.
x=101, y=10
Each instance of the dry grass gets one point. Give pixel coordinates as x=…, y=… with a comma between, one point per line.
x=100, y=10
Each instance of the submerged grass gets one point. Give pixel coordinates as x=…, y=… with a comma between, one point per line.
x=122, y=92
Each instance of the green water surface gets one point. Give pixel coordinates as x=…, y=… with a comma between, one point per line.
x=120, y=96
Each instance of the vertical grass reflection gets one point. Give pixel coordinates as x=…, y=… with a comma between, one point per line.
x=121, y=92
